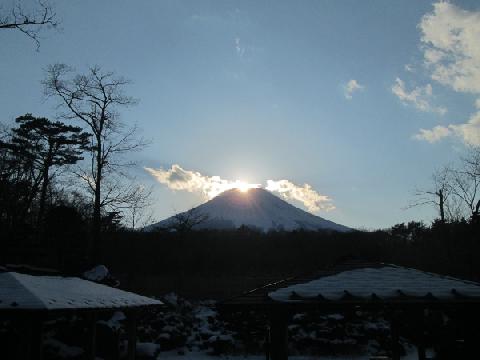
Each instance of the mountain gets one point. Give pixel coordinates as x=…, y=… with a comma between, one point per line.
x=256, y=208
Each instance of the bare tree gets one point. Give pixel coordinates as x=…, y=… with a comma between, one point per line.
x=466, y=181
x=94, y=98
x=456, y=190
x=438, y=195
x=186, y=221
x=125, y=195
x=465, y=186
x=30, y=22
x=138, y=207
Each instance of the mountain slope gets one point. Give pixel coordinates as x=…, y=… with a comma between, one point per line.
x=256, y=208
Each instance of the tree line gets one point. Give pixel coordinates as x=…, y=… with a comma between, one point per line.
x=223, y=263
x=46, y=163
x=75, y=167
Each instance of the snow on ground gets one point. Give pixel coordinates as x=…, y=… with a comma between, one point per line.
x=62, y=350
x=115, y=322
x=195, y=330
x=147, y=349
x=172, y=355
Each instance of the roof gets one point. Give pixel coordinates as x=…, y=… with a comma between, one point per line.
x=29, y=269
x=360, y=283
x=28, y=292
x=384, y=282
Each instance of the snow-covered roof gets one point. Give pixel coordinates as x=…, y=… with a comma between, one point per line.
x=385, y=282
x=28, y=292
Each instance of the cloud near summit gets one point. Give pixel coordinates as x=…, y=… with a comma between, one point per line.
x=312, y=200
x=177, y=178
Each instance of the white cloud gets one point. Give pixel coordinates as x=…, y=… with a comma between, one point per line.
x=177, y=178
x=468, y=132
x=477, y=103
x=433, y=135
x=312, y=200
x=351, y=87
x=451, y=39
x=418, y=97
x=451, y=51
x=239, y=48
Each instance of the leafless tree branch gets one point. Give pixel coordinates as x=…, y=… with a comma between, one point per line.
x=31, y=22
x=94, y=99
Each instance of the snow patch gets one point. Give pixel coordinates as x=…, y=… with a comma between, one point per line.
x=62, y=350
x=147, y=349
x=115, y=322
x=98, y=273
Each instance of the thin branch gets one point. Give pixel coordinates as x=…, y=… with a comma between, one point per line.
x=30, y=23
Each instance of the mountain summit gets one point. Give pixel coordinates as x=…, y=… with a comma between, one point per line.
x=256, y=208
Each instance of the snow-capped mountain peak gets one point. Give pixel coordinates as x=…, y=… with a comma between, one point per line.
x=257, y=208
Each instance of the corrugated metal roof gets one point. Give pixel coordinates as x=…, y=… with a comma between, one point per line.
x=28, y=292
x=403, y=285
x=383, y=283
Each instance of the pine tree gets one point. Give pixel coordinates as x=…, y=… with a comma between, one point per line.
x=39, y=145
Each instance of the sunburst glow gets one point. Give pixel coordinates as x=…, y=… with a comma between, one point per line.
x=243, y=186
x=177, y=178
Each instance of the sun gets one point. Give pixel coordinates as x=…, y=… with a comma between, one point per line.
x=244, y=186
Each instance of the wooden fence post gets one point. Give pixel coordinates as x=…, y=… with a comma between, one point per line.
x=91, y=336
x=394, y=333
x=132, y=334
x=36, y=339
x=421, y=351
x=278, y=334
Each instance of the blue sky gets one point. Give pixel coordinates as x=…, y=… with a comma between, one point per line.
x=257, y=90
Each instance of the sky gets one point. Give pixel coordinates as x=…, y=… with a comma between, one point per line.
x=343, y=108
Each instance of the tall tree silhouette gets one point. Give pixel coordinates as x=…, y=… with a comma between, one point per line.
x=94, y=98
